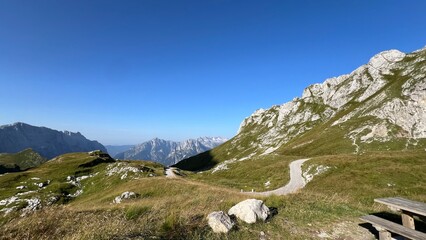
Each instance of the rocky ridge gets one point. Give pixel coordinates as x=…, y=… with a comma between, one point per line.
x=321, y=102
x=379, y=106
x=47, y=142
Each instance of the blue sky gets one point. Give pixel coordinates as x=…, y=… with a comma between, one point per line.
x=123, y=72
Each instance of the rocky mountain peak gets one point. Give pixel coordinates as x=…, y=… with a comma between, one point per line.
x=383, y=59
x=381, y=101
x=338, y=91
x=16, y=125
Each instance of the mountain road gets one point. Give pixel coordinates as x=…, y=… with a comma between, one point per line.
x=296, y=181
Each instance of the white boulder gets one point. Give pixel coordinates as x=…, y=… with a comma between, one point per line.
x=250, y=210
x=220, y=222
x=33, y=204
x=125, y=195
x=42, y=184
x=76, y=194
x=117, y=199
x=7, y=201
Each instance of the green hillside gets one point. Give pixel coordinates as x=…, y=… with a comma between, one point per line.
x=164, y=207
x=23, y=160
x=176, y=208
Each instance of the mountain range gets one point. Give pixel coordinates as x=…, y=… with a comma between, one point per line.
x=170, y=152
x=50, y=143
x=380, y=106
x=47, y=142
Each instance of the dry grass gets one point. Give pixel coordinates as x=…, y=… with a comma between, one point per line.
x=176, y=208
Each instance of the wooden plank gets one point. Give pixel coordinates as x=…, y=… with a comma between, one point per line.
x=404, y=204
x=394, y=227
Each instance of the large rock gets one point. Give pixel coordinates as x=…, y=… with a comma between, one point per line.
x=220, y=222
x=250, y=210
x=33, y=204
x=125, y=195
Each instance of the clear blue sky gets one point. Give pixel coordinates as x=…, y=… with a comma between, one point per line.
x=124, y=72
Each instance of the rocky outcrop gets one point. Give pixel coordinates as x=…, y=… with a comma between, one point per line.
x=125, y=170
x=366, y=81
x=250, y=211
x=33, y=204
x=220, y=222
x=125, y=195
x=47, y=142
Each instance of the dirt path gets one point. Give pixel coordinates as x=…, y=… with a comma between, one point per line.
x=204, y=185
x=296, y=181
x=170, y=173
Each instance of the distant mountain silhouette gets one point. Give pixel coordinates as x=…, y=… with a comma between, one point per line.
x=47, y=142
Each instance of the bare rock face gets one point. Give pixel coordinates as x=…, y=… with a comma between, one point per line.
x=250, y=210
x=390, y=91
x=220, y=222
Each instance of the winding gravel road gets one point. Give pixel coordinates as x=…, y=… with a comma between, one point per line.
x=296, y=181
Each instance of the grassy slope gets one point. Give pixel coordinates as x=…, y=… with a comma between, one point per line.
x=166, y=207
x=24, y=159
x=250, y=174
x=176, y=208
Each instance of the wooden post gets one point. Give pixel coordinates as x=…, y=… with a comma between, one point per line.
x=383, y=233
x=407, y=219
